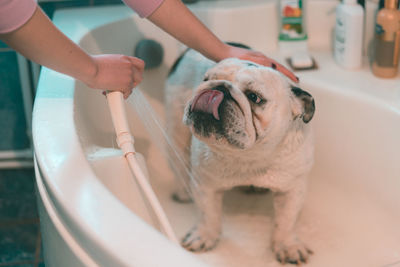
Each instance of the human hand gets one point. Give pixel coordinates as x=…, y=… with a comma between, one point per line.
x=116, y=73
x=260, y=58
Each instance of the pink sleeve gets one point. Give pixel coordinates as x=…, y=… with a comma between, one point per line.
x=143, y=7
x=15, y=13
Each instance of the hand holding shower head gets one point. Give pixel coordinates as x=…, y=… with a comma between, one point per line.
x=137, y=164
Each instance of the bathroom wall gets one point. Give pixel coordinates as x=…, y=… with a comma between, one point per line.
x=12, y=117
x=14, y=124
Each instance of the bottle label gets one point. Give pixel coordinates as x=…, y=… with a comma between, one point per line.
x=340, y=38
x=384, y=48
x=384, y=53
x=292, y=21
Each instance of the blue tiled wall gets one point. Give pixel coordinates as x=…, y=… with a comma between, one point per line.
x=13, y=132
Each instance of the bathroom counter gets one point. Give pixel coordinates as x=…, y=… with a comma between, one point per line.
x=356, y=82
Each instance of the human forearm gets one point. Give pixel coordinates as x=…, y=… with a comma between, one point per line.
x=176, y=19
x=40, y=41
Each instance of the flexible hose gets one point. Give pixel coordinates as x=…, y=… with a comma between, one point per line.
x=125, y=141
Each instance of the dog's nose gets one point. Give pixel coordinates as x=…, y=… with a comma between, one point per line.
x=224, y=88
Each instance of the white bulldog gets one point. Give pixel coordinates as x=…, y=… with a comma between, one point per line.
x=245, y=125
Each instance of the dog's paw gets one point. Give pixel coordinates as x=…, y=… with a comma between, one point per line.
x=295, y=253
x=198, y=240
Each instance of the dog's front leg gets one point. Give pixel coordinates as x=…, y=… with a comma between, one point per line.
x=204, y=236
x=287, y=205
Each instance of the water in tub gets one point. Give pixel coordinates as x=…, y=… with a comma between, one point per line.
x=342, y=224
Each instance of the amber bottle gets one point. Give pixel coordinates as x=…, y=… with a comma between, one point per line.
x=387, y=41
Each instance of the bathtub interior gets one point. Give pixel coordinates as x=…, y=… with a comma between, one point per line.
x=350, y=217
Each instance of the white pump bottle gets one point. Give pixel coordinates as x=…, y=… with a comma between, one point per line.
x=348, y=43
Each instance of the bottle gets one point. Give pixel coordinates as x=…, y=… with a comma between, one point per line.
x=387, y=41
x=292, y=33
x=348, y=43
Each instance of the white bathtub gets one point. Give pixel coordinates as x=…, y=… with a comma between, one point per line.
x=92, y=213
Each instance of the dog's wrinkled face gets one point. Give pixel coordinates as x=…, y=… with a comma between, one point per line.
x=240, y=104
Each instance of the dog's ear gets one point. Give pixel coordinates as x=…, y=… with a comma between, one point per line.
x=307, y=105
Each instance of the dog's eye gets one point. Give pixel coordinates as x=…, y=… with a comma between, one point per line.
x=253, y=97
x=205, y=79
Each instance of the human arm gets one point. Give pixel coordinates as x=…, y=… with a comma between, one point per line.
x=39, y=40
x=192, y=32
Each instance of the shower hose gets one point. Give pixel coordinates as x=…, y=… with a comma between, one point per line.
x=125, y=142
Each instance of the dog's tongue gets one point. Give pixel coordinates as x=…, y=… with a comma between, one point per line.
x=208, y=101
